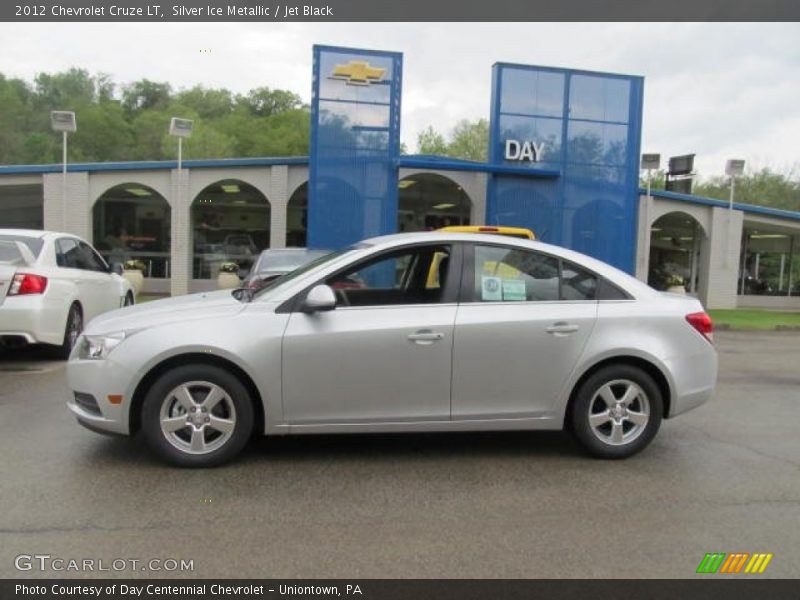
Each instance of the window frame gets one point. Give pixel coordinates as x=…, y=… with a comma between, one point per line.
x=450, y=295
x=467, y=292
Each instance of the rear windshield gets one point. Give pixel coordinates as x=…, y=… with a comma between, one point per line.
x=33, y=244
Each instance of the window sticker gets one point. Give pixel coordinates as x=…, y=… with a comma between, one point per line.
x=514, y=290
x=491, y=289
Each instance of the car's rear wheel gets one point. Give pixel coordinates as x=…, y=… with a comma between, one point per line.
x=617, y=411
x=72, y=331
x=197, y=416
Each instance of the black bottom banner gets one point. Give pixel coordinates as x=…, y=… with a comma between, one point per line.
x=391, y=589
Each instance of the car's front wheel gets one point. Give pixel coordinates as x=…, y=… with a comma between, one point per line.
x=617, y=411
x=197, y=416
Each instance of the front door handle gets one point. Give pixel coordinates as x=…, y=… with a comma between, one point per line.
x=425, y=337
x=561, y=329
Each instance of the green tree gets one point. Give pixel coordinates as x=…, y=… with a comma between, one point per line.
x=430, y=141
x=265, y=102
x=765, y=187
x=146, y=95
x=468, y=140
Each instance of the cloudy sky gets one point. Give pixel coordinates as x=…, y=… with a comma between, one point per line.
x=718, y=90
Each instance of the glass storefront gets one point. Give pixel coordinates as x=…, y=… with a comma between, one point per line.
x=427, y=202
x=132, y=222
x=297, y=218
x=21, y=207
x=770, y=262
x=675, y=241
x=230, y=223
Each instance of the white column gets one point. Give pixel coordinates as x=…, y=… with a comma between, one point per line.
x=643, y=238
x=720, y=259
x=279, y=200
x=181, y=228
x=76, y=216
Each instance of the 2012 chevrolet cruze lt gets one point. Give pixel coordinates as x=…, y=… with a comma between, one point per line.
x=410, y=332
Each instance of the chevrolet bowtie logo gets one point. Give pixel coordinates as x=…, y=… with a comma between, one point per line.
x=358, y=72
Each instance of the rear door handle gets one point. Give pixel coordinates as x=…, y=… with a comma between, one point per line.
x=562, y=329
x=425, y=337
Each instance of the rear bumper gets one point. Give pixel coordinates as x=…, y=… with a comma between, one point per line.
x=30, y=318
x=695, y=377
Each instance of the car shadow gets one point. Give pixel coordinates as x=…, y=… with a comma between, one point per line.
x=408, y=446
x=27, y=357
x=370, y=447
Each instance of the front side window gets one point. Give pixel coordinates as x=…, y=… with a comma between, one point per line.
x=415, y=275
x=503, y=274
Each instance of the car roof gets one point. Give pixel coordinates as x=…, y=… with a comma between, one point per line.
x=36, y=233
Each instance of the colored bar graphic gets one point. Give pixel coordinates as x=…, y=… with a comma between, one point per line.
x=711, y=562
x=734, y=562
x=758, y=563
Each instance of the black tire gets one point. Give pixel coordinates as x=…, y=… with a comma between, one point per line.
x=606, y=439
x=129, y=301
x=237, y=406
x=72, y=329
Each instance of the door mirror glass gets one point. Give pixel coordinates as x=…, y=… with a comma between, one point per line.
x=321, y=297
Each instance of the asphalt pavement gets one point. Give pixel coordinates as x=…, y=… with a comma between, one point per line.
x=722, y=478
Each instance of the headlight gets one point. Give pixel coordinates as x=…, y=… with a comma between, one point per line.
x=98, y=347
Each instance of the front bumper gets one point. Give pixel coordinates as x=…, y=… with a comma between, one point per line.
x=101, y=379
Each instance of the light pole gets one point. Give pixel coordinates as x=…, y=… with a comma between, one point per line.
x=733, y=168
x=63, y=121
x=180, y=128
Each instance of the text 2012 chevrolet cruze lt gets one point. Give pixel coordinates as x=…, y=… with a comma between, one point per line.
x=410, y=332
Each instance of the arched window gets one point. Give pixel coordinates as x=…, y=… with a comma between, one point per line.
x=132, y=221
x=230, y=223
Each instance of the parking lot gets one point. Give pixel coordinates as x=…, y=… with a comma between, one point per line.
x=723, y=478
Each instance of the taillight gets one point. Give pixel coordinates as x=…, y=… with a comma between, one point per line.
x=494, y=229
x=25, y=283
x=702, y=323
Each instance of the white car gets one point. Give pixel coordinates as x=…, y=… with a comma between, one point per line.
x=50, y=285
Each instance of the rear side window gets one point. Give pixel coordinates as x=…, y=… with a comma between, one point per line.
x=68, y=254
x=33, y=244
x=503, y=274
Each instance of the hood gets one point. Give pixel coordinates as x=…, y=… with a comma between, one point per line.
x=207, y=305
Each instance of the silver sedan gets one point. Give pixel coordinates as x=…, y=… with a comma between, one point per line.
x=408, y=332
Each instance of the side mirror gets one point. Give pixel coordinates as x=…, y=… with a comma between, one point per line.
x=321, y=297
x=116, y=268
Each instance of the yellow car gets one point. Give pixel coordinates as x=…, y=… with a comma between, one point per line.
x=517, y=232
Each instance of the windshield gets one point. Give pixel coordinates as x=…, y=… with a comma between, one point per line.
x=287, y=277
x=34, y=244
x=287, y=260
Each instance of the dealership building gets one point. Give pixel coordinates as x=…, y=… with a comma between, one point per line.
x=564, y=154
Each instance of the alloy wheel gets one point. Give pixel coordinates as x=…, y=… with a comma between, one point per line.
x=619, y=412
x=197, y=417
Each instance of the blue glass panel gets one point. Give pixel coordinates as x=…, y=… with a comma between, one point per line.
x=526, y=202
x=594, y=144
x=541, y=130
x=597, y=143
x=529, y=92
x=601, y=98
x=355, y=141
